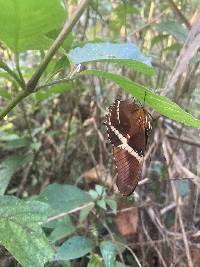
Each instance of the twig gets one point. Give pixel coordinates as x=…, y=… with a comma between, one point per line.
x=188, y=50
x=64, y=80
x=179, y=14
x=153, y=20
x=92, y=157
x=13, y=103
x=149, y=152
x=184, y=140
x=63, y=155
x=167, y=208
x=180, y=167
x=60, y=215
x=132, y=253
x=85, y=24
x=24, y=179
x=23, y=84
x=152, y=243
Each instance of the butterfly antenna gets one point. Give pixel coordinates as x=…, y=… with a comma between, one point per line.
x=145, y=94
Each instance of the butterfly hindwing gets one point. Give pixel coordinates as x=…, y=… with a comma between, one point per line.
x=128, y=169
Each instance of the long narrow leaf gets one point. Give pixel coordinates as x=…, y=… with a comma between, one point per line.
x=161, y=104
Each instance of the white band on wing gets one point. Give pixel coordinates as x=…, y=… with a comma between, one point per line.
x=125, y=145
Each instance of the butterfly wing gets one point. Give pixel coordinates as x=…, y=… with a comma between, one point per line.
x=138, y=142
x=112, y=121
x=129, y=170
x=127, y=126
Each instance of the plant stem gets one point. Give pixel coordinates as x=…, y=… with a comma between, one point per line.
x=31, y=85
x=5, y=67
x=23, y=84
x=42, y=86
x=13, y=103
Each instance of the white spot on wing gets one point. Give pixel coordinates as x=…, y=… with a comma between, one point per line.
x=149, y=125
x=118, y=103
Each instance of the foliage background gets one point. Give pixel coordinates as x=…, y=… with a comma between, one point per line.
x=58, y=197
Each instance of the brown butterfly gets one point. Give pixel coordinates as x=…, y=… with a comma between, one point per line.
x=127, y=126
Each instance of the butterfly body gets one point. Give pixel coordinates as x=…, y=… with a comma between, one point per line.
x=127, y=127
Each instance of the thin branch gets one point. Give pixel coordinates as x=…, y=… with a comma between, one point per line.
x=189, y=49
x=152, y=21
x=152, y=243
x=5, y=67
x=184, y=140
x=23, y=84
x=64, y=80
x=13, y=103
x=63, y=214
x=132, y=253
x=179, y=14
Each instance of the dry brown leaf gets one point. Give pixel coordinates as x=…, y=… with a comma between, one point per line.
x=126, y=219
x=92, y=175
x=195, y=256
x=88, y=122
x=98, y=174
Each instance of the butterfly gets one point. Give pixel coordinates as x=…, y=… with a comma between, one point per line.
x=128, y=125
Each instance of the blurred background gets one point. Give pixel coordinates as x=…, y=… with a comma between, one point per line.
x=57, y=135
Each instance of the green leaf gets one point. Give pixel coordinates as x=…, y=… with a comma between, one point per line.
x=5, y=94
x=6, y=136
x=123, y=9
x=100, y=190
x=119, y=264
x=17, y=143
x=102, y=204
x=65, y=264
x=158, y=38
x=9, y=166
x=42, y=95
x=85, y=212
x=63, y=228
x=12, y=141
x=93, y=194
x=112, y=204
x=126, y=54
x=61, y=64
x=21, y=233
x=109, y=253
x=174, y=28
x=119, y=16
x=161, y=104
x=95, y=261
x=70, y=197
x=182, y=186
x=23, y=24
x=75, y=247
